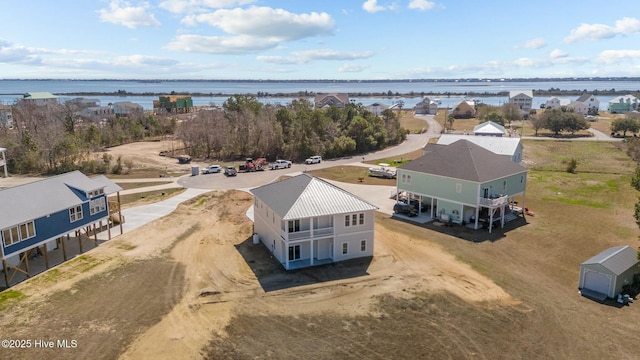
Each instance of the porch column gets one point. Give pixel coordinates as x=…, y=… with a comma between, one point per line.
x=311, y=250
x=477, y=215
x=431, y=210
x=6, y=272
x=286, y=256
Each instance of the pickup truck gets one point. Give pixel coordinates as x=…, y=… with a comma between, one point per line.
x=280, y=164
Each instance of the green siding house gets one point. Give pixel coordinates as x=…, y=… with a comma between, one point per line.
x=464, y=183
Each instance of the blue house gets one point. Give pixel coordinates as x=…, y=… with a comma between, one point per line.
x=36, y=214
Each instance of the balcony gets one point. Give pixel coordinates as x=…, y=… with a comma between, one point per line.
x=494, y=201
x=306, y=234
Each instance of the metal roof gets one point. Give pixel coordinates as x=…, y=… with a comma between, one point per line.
x=489, y=127
x=466, y=161
x=305, y=196
x=617, y=259
x=47, y=196
x=498, y=145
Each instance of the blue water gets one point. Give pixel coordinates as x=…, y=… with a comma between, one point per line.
x=10, y=90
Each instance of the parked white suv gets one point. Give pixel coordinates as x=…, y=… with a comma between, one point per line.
x=314, y=160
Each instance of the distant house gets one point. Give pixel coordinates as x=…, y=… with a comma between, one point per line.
x=592, y=103
x=623, y=104
x=426, y=107
x=466, y=109
x=556, y=103
x=126, y=108
x=339, y=100
x=578, y=107
x=305, y=221
x=174, y=103
x=45, y=210
x=39, y=98
x=608, y=272
x=464, y=183
x=489, y=128
x=84, y=102
x=510, y=147
x=376, y=108
x=524, y=99
x=97, y=112
x=6, y=117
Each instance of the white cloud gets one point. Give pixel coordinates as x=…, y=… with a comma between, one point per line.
x=421, y=5
x=625, y=26
x=123, y=13
x=372, y=6
x=557, y=53
x=221, y=44
x=192, y=6
x=352, y=68
x=265, y=22
x=281, y=60
x=618, y=56
x=536, y=43
x=326, y=54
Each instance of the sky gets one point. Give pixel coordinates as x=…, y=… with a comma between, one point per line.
x=318, y=39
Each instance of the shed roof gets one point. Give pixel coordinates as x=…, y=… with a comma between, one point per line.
x=617, y=259
x=498, y=145
x=47, y=196
x=466, y=161
x=305, y=196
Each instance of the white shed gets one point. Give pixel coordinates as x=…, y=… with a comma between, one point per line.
x=607, y=272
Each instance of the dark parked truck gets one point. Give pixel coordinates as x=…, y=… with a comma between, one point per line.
x=251, y=165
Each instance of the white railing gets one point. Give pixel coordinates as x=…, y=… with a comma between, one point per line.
x=499, y=201
x=299, y=235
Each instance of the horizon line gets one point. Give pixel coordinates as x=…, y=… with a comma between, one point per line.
x=468, y=79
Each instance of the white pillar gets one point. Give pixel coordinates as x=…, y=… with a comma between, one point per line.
x=311, y=250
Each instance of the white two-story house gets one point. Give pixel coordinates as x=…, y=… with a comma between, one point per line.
x=305, y=221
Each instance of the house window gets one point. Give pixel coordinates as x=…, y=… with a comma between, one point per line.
x=294, y=225
x=294, y=252
x=345, y=248
x=361, y=222
x=18, y=233
x=458, y=188
x=522, y=179
x=75, y=213
x=354, y=219
x=363, y=245
x=346, y=220
x=97, y=205
x=405, y=179
x=504, y=185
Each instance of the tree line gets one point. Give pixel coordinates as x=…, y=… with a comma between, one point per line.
x=245, y=127
x=54, y=139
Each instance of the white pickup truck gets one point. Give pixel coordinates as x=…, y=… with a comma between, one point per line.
x=280, y=164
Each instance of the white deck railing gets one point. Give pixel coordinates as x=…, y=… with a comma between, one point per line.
x=502, y=200
x=299, y=235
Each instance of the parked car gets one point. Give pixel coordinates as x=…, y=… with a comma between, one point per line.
x=212, y=169
x=405, y=209
x=230, y=171
x=280, y=164
x=313, y=160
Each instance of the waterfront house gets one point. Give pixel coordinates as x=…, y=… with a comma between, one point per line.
x=39, y=98
x=623, y=104
x=6, y=117
x=465, y=109
x=127, y=108
x=174, y=103
x=592, y=103
x=305, y=221
x=522, y=98
x=339, y=100
x=464, y=183
x=426, y=107
x=489, y=128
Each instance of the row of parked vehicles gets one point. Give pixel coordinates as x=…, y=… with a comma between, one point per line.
x=259, y=164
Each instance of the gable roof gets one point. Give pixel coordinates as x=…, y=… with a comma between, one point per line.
x=514, y=93
x=47, y=196
x=341, y=97
x=39, y=95
x=497, y=145
x=489, y=127
x=466, y=161
x=617, y=259
x=305, y=196
x=584, y=97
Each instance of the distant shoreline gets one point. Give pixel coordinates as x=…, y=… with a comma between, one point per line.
x=459, y=80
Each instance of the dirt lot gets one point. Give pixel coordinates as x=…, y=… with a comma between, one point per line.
x=193, y=285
